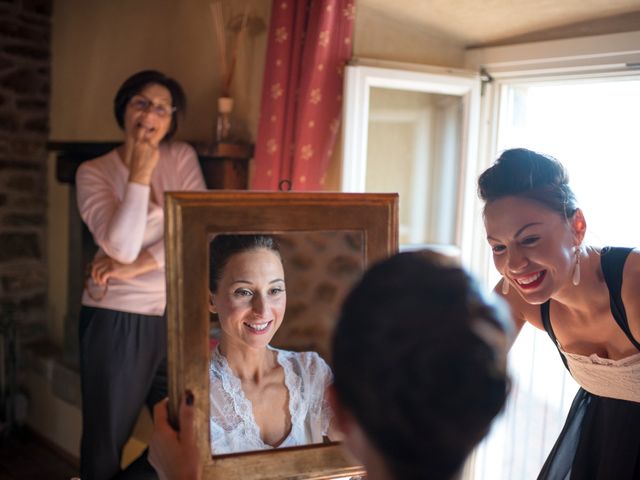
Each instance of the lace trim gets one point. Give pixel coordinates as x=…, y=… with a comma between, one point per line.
x=595, y=359
x=233, y=388
x=243, y=406
x=294, y=384
x=605, y=377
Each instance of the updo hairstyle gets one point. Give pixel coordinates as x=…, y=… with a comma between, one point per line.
x=223, y=247
x=413, y=365
x=523, y=173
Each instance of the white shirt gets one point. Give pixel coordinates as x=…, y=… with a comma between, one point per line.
x=233, y=427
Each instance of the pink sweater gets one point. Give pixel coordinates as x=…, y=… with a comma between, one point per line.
x=126, y=218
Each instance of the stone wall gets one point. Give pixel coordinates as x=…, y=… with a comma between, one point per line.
x=24, y=124
x=320, y=269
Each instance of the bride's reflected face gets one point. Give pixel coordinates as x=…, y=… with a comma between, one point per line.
x=251, y=298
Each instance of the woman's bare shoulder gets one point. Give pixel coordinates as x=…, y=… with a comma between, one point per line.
x=632, y=265
x=631, y=275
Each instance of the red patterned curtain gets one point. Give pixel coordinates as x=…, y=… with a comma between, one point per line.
x=308, y=47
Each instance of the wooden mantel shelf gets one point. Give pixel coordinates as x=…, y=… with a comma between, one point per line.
x=224, y=165
x=238, y=151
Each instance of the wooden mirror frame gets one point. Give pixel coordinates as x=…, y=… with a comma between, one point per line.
x=190, y=219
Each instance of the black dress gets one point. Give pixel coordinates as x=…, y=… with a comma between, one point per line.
x=601, y=436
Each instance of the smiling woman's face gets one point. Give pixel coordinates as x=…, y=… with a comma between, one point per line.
x=154, y=126
x=533, y=247
x=251, y=298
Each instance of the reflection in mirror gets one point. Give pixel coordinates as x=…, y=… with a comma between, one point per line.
x=268, y=370
x=320, y=268
x=420, y=133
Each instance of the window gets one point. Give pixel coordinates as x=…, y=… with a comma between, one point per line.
x=591, y=126
x=414, y=131
x=582, y=108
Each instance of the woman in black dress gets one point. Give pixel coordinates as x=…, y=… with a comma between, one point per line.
x=585, y=298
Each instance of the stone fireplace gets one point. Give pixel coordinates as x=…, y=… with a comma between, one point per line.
x=25, y=28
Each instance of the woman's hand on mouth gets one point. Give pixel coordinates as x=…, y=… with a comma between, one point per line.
x=143, y=154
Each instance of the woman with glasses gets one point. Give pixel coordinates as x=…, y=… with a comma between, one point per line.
x=122, y=324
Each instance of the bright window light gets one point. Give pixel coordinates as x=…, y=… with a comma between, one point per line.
x=592, y=128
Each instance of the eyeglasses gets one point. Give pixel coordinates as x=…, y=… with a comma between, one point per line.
x=90, y=286
x=142, y=104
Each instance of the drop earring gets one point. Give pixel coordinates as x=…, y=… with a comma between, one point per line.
x=576, y=269
x=505, y=285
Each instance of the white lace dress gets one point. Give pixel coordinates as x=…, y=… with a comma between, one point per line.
x=233, y=427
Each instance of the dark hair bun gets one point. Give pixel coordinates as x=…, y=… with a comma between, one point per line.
x=525, y=173
x=225, y=246
x=410, y=364
x=518, y=170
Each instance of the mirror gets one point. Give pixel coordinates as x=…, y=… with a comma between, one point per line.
x=293, y=297
x=358, y=228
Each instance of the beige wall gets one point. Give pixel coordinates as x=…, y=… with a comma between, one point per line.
x=96, y=44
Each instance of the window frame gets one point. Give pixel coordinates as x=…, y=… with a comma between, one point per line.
x=599, y=56
x=568, y=60
x=363, y=74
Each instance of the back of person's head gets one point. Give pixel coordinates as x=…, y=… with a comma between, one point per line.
x=419, y=359
x=524, y=173
x=137, y=82
x=225, y=246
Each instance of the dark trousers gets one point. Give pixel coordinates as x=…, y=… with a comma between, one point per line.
x=123, y=366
